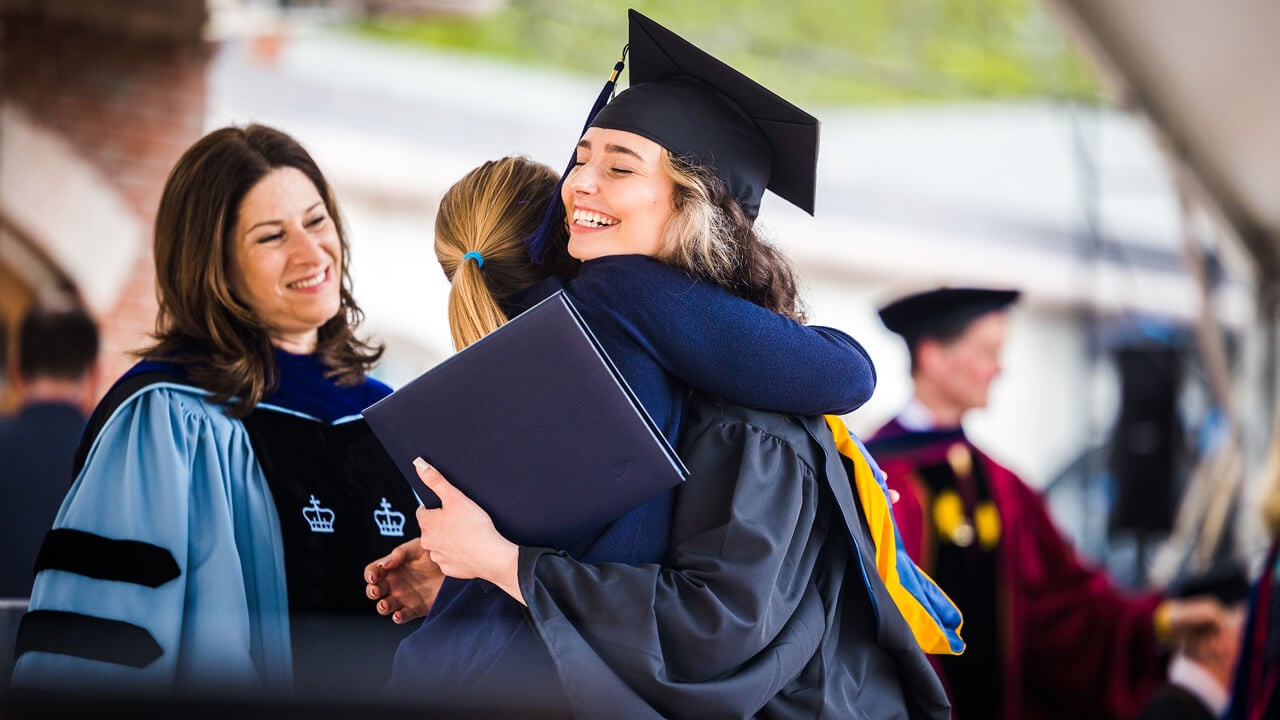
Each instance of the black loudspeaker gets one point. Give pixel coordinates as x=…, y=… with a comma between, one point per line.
x=1146, y=444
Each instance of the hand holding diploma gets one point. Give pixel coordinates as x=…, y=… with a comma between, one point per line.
x=460, y=538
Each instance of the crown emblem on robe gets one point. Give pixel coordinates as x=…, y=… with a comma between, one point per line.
x=319, y=518
x=390, y=523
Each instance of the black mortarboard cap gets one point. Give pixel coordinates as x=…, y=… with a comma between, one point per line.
x=699, y=108
x=942, y=313
x=1228, y=582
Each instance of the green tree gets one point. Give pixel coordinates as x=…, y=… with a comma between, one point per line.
x=817, y=51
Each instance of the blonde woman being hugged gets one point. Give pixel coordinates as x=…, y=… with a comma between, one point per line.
x=682, y=293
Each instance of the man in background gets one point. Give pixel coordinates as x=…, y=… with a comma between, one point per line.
x=1200, y=672
x=1046, y=635
x=56, y=353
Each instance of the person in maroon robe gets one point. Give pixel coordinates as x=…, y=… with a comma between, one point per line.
x=1047, y=636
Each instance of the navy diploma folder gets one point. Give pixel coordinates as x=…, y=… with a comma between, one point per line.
x=535, y=424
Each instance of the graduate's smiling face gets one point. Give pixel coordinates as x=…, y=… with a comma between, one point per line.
x=618, y=197
x=286, y=258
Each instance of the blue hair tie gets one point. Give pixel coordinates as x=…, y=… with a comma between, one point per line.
x=474, y=256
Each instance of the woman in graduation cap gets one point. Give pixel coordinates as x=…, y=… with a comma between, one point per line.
x=228, y=493
x=615, y=630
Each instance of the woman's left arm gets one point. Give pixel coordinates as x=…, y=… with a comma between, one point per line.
x=728, y=346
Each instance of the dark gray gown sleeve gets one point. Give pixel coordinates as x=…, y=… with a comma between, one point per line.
x=757, y=610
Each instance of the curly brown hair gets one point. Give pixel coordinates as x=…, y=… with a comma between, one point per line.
x=201, y=324
x=712, y=239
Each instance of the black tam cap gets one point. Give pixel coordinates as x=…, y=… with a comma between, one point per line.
x=942, y=313
x=701, y=109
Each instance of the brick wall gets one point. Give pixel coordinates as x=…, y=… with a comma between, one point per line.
x=129, y=98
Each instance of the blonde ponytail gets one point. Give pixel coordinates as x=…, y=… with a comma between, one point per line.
x=473, y=311
x=489, y=212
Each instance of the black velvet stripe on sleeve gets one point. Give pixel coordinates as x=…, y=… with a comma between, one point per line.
x=85, y=636
x=102, y=558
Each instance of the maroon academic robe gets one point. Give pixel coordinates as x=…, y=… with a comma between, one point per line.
x=1067, y=643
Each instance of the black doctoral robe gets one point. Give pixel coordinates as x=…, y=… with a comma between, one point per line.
x=768, y=605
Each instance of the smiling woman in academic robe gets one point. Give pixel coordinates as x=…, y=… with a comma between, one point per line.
x=228, y=492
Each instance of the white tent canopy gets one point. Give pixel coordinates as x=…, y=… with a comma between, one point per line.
x=1204, y=76
x=1204, y=73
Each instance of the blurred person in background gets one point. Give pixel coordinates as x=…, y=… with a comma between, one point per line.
x=1046, y=636
x=1200, y=671
x=229, y=494
x=54, y=374
x=56, y=354
x=1255, y=691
